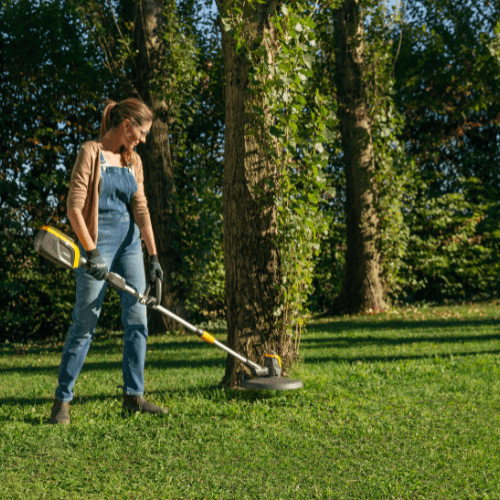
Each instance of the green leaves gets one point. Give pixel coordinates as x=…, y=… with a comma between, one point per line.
x=448, y=78
x=276, y=132
x=52, y=82
x=297, y=121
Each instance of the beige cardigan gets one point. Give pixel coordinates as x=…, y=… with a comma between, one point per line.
x=83, y=188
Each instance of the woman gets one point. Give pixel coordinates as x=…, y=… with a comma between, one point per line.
x=108, y=209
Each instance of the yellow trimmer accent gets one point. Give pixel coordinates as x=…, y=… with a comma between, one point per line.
x=275, y=356
x=57, y=247
x=207, y=338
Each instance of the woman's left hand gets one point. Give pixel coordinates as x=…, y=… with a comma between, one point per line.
x=155, y=270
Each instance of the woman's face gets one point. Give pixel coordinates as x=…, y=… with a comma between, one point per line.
x=136, y=134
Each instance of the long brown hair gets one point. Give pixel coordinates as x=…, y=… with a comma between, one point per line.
x=115, y=113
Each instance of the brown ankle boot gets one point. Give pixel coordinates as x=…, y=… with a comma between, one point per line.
x=131, y=404
x=59, y=413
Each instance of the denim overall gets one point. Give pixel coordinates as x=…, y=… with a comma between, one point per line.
x=120, y=247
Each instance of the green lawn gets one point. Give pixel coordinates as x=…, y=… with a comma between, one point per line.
x=401, y=405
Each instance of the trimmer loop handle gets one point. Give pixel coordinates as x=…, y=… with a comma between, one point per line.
x=152, y=300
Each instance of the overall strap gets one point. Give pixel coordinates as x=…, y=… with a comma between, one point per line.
x=103, y=162
x=130, y=167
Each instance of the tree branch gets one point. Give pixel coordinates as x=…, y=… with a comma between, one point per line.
x=146, y=35
x=403, y=7
x=120, y=32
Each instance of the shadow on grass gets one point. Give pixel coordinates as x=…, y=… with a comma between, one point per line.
x=341, y=337
x=397, y=324
x=117, y=365
x=392, y=358
x=343, y=342
x=211, y=393
x=110, y=344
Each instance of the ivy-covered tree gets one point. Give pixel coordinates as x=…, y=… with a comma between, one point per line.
x=251, y=257
x=273, y=179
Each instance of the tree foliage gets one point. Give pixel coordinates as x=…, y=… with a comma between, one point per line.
x=51, y=98
x=447, y=87
x=433, y=79
x=50, y=85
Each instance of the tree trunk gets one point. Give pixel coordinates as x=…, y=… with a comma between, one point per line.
x=251, y=257
x=362, y=289
x=156, y=156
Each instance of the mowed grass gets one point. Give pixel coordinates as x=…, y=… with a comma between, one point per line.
x=400, y=405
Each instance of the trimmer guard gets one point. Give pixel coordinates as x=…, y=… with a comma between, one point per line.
x=271, y=383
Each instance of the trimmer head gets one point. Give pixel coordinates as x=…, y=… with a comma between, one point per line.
x=271, y=383
x=273, y=380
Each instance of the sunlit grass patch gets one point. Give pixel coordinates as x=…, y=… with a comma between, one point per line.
x=400, y=405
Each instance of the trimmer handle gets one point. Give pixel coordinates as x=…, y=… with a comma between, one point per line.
x=111, y=278
x=153, y=300
x=83, y=262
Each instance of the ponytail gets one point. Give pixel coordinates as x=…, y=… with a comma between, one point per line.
x=106, y=117
x=116, y=113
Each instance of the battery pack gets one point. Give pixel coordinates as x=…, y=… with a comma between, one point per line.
x=57, y=247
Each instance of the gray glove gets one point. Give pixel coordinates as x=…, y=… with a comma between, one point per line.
x=155, y=270
x=97, y=267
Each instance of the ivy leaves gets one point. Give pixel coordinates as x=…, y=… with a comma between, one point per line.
x=299, y=122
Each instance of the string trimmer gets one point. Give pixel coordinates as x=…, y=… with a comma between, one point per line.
x=61, y=249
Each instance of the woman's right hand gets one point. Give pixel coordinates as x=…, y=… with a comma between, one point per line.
x=97, y=267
